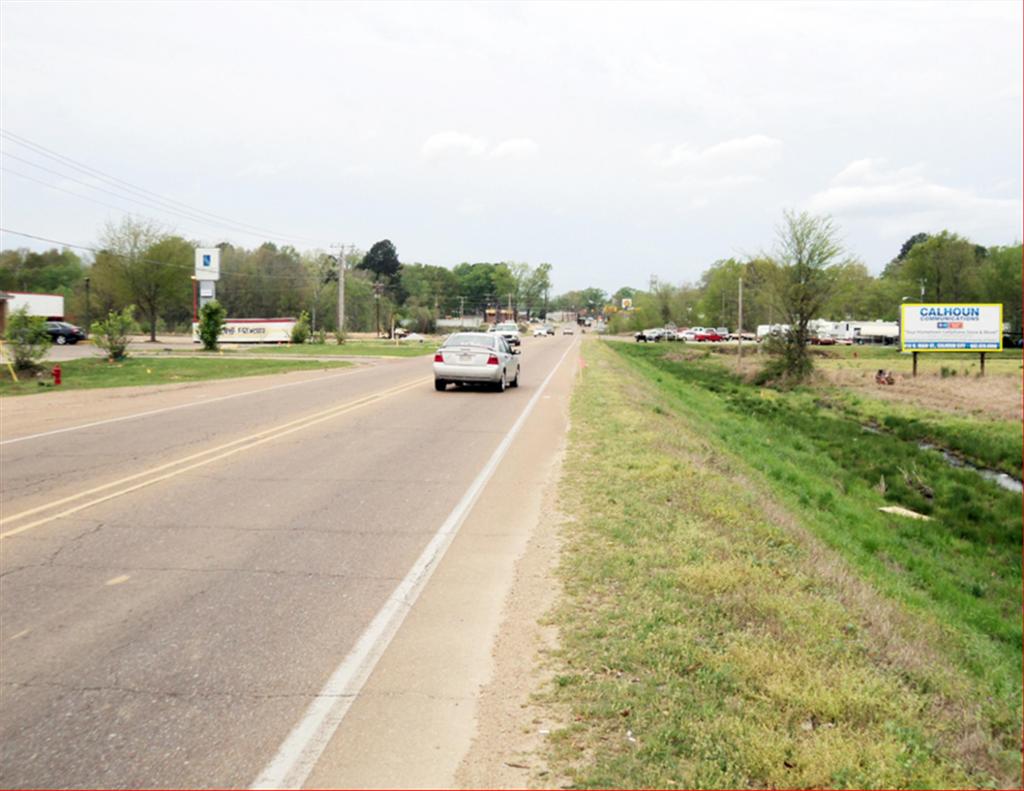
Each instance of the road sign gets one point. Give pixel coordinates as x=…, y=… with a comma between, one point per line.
x=207, y=263
x=951, y=327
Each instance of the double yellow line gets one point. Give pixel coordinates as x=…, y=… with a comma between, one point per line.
x=174, y=468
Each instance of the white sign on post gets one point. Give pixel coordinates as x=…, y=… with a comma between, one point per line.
x=207, y=263
x=951, y=327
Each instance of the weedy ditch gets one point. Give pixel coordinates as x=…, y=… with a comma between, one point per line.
x=706, y=644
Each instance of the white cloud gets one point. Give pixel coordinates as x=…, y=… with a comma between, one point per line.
x=515, y=148
x=866, y=186
x=461, y=144
x=446, y=143
x=728, y=158
x=898, y=199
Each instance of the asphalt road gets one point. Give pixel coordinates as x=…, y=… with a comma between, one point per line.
x=177, y=588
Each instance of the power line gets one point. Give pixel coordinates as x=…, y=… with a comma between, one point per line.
x=97, y=251
x=142, y=191
x=147, y=204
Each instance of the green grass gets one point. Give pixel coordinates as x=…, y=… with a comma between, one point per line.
x=347, y=349
x=96, y=372
x=996, y=444
x=738, y=612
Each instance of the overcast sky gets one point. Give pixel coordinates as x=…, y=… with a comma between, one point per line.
x=615, y=141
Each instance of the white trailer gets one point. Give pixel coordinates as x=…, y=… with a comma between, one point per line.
x=49, y=306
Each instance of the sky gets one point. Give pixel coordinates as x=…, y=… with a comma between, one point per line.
x=615, y=141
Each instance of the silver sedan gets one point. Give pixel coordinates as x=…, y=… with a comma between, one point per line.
x=476, y=358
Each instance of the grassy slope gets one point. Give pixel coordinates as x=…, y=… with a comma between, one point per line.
x=96, y=372
x=730, y=623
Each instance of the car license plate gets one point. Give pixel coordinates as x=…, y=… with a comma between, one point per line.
x=465, y=357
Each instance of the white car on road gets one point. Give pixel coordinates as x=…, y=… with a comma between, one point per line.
x=476, y=358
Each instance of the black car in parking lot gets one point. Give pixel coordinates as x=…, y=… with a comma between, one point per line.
x=61, y=332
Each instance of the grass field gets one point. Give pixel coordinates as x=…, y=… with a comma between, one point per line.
x=96, y=372
x=739, y=613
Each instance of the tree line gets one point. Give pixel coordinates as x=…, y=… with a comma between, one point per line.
x=943, y=267
x=138, y=263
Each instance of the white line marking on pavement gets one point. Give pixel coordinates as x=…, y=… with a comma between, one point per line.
x=204, y=402
x=303, y=747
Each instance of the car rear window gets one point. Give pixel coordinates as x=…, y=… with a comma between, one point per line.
x=468, y=339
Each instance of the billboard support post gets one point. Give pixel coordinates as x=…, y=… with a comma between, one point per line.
x=982, y=363
x=915, y=363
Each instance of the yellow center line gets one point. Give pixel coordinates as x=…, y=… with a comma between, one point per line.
x=253, y=441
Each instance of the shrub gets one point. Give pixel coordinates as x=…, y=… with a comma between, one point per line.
x=300, y=332
x=111, y=334
x=28, y=339
x=320, y=337
x=339, y=337
x=212, y=317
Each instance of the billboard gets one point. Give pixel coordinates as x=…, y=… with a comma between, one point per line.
x=951, y=327
x=252, y=331
x=207, y=263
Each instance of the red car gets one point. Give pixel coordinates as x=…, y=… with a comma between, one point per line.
x=708, y=335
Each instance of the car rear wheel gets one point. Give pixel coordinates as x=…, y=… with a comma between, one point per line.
x=440, y=385
x=515, y=382
x=60, y=340
x=502, y=384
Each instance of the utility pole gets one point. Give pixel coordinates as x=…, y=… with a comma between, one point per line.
x=462, y=307
x=341, y=293
x=88, y=314
x=739, y=330
x=378, y=289
x=508, y=315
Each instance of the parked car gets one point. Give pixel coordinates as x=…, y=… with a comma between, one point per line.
x=61, y=332
x=707, y=336
x=822, y=340
x=509, y=330
x=647, y=336
x=476, y=358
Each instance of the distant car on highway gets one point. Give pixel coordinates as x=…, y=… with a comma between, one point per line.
x=509, y=330
x=568, y=330
x=61, y=332
x=540, y=332
x=476, y=358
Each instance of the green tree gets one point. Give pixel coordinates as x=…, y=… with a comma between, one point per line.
x=27, y=339
x=999, y=280
x=150, y=268
x=945, y=267
x=111, y=334
x=212, y=317
x=807, y=253
x=382, y=260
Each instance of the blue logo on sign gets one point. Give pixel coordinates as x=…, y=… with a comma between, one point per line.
x=206, y=260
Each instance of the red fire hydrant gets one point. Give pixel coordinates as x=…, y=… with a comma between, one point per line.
x=56, y=374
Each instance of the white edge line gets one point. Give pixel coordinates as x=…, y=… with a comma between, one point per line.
x=204, y=402
x=300, y=751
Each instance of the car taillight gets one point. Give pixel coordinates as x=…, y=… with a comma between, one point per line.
x=492, y=360
x=438, y=358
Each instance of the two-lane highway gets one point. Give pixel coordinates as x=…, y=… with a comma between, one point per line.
x=179, y=588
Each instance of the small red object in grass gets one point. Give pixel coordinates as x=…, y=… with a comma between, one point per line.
x=56, y=374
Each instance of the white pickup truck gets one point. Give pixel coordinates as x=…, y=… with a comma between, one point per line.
x=510, y=330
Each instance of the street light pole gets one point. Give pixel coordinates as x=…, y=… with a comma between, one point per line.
x=88, y=312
